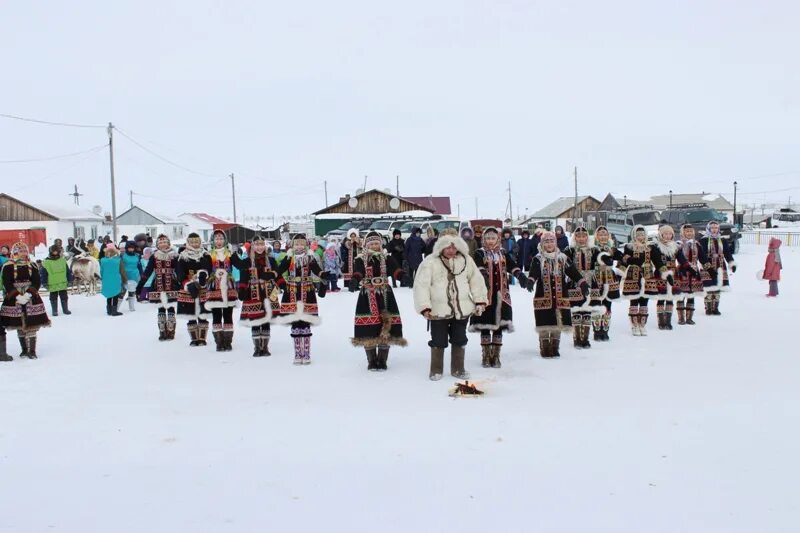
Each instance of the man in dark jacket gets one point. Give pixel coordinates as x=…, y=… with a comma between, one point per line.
x=561, y=240
x=430, y=243
x=397, y=249
x=469, y=238
x=526, y=250
x=415, y=247
x=510, y=246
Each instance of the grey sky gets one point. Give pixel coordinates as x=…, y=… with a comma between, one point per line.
x=455, y=97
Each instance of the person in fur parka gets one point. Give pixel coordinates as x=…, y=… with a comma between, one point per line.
x=548, y=278
x=222, y=294
x=496, y=265
x=377, y=323
x=350, y=250
x=719, y=259
x=584, y=258
x=192, y=272
x=689, y=277
x=22, y=309
x=607, y=279
x=259, y=293
x=639, y=281
x=665, y=259
x=299, y=308
x=164, y=288
x=448, y=289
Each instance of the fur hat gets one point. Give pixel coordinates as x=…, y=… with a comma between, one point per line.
x=666, y=228
x=445, y=241
x=299, y=239
x=352, y=232
x=397, y=232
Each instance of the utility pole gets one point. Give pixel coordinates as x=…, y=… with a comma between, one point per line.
x=458, y=210
x=113, y=185
x=670, y=200
x=575, y=207
x=509, y=208
x=131, y=194
x=326, y=193
x=365, y=183
x=397, y=186
x=735, y=186
x=476, y=207
x=233, y=195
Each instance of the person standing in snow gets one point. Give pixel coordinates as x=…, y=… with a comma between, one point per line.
x=299, y=308
x=561, y=239
x=607, y=282
x=132, y=262
x=773, y=266
x=57, y=277
x=192, y=273
x=448, y=289
x=469, y=237
x=665, y=259
x=639, y=281
x=497, y=266
x=377, y=318
x=164, y=289
x=113, y=279
x=415, y=248
x=526, y=250
x=260, y=294
x=548, y=279
x=332, y=266
x=719, y=259
x=396, y=249
x=689, y=277
x=584, y=257
x=142, y=296
x=351, y=248
x=222, y=294
x=22, y=309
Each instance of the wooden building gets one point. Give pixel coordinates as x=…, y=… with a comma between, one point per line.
x=373, y=202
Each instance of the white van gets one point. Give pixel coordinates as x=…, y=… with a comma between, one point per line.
x=621, y=223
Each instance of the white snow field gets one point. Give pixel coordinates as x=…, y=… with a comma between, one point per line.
x=691, y=430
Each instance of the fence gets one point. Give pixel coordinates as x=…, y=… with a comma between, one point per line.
x=789, y=238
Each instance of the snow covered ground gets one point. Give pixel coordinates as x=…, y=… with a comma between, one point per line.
x=690, y=430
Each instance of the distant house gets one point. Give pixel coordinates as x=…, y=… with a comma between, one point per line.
x=204, y=224
x=136, y=220
x=562, y=211
x=613, y=203
x=713, y=200
x=57, y=222
x=370, y=204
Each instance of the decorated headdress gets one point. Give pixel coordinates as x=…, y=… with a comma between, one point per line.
x=373, y=236
x=581, y=229
x=666, y=228
x=17, y=248
x=601, y=228
x=163, y=238
x=491, y=229
x=548, y=236
x=219, y=232
x=637, y=228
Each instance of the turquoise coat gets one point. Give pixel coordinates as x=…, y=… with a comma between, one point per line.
x=111, y=276
x=133, y=267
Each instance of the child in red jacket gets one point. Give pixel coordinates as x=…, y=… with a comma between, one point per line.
x=772, y=267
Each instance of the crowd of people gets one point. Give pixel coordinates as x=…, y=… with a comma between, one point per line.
x=460, y=283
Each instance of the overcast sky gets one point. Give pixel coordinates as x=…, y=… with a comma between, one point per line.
x=455, y=97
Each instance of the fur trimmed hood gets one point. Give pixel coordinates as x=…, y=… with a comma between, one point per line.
x=444, y=241
x=667, y=248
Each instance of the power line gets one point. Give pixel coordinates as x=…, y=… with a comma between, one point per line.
x=166, y=160
x=82, y=160
x=51, y=158
x=50, y=123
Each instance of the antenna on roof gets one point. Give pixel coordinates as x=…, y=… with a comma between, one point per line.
x=76, y=196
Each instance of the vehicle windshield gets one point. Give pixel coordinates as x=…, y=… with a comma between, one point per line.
x=381, y=224
x=445, y=224
x=704, y=215
x=408, y=227
x=649, y=218
x=346, y=226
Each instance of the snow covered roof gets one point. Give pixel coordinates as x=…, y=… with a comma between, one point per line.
x=714, y=200
x=558, y=208
x=348, y=216
x=74, y=212
x=205, y=217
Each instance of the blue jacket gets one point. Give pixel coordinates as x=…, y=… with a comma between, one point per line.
x=133, y=266
x=415, y=247
x=111, y=276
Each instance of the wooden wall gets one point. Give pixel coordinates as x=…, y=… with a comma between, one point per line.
x=370, y=203
x=12, y=209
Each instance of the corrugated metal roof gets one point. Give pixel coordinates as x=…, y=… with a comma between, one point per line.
x=557, y=208
x=439, y=204
x=211, y=219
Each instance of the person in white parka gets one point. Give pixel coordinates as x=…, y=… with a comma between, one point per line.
x=448, y=289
